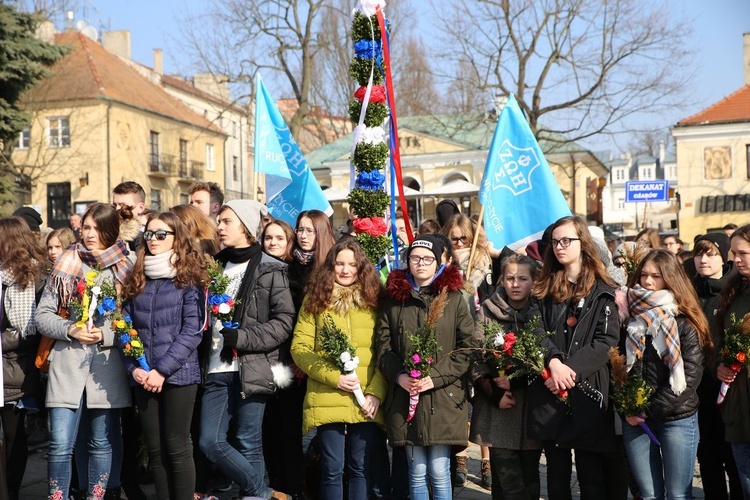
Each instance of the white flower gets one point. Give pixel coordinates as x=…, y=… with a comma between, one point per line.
x=350, y=366
x=345, y=357
x=372, y=135
x=356, y=361
x=367, y=7
x=224, y=308
x=97, y=290
x=499, y=339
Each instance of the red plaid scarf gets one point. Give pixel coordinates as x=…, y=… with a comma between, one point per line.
x=69, y=266
x=654, y=313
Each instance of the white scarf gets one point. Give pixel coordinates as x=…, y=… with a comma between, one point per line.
x=20, y=304
x=160, y=266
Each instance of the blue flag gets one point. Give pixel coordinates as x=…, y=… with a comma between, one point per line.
x=519, y=193
x=291, y=186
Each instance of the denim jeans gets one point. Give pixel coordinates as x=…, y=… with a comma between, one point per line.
x=741, y=452
x=666, y=470
x=341, y=444
x=81, y=452
x=222, y=402
x=64, y=424
x=434, y=460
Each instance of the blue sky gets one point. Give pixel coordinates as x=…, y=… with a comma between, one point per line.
x=717, y=39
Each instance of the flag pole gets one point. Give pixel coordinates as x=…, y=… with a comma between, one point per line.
x=474, y=243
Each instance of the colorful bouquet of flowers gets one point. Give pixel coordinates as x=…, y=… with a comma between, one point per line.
x=497, y=346
x=423, y=348
x=127, y=337
x=90, y=301
x=340, y=352
x=220, y=304
x=735, y=353
x=631, y=392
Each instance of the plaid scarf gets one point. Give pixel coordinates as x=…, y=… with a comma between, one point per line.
x=69, y=267
x=20, y=304
x=654, y=313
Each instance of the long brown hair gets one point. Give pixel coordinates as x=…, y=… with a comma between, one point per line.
x=324, y=237
x=652, y=237
x=199, y=227
x=188, y=260
x=20, y=251
x=677, y=282
x=107, y=221
x=469, y=228
x=554, y=281
x=734, y=280
x=320, y=285
x=291, y=237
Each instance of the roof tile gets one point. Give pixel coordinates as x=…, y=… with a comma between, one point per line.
x=732, y=109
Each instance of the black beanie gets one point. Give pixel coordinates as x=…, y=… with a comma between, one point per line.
x=31, y=216
x=445, y=210
x=432, y=243
x=720, y=240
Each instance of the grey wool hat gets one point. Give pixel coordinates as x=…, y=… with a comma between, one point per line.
x=249, y=212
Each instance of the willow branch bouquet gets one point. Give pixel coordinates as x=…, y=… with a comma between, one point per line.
x=735, y=354
x=340, y=352
x=631, y=394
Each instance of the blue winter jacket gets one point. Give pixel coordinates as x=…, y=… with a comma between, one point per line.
x=169, y=321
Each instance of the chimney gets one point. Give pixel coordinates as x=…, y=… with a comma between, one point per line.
x=117, y=42
x=662, y=152
x=746, y=56
x=216, y=85
x=159, y=61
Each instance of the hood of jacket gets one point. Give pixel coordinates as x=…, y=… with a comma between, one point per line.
x=399, y=288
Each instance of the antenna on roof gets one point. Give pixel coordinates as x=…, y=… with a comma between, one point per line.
x=90, y=32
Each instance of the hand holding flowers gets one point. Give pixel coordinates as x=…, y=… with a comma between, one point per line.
x=220, y=303
x=631, y=394
x=340, y=352
x=91, y=301
x=735, y=353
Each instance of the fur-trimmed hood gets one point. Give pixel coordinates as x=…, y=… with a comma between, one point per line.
x=130, y=230
x=399, y=288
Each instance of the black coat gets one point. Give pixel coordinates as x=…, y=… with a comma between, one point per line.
x=587, y=421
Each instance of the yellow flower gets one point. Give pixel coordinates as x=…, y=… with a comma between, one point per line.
x=136, y=343
x=90, y=277
x=120, y=324
x=639, y=399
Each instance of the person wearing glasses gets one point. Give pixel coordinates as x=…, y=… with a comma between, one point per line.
x=87, y=381
x=244, y=365
x=164, y=299
x=460, y=229
x=576, y=299
x=315, y=238
x=439, y=421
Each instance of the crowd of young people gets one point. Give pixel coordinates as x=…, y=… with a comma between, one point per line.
x=229, y=383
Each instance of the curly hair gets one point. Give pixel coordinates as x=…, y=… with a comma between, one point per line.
x=188, y=261
x=20, y=251
x=677, y=282
x=199, y=227
x=320, y=286
x=554, y=281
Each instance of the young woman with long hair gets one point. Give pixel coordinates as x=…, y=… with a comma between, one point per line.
x=498, y=408
x=735, y=302
x=315, y=238
x=199, y=227
x=347, y=292
x=667, y=335
x=649, y=237
x=87, y=382
x=439, y=419
x=21, y=260
x=460, y=230
x=576, y=299
x=164, y=299
x=278, y=239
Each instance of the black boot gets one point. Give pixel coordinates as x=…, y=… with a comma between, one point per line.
x=112, y=493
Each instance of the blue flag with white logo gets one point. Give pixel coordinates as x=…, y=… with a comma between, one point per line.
x=291, y=186
x=519, y=193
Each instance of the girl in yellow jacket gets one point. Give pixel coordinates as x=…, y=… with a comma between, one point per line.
x=347, y=291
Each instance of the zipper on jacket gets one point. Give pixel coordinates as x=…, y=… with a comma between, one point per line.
x=151, y=323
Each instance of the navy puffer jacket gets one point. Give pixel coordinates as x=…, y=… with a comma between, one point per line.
x=169, y=321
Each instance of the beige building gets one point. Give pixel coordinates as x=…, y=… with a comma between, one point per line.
x=97, y=122
x=444, y=157
x=713, y=161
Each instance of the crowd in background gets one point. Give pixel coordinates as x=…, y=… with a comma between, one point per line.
x=231, y=381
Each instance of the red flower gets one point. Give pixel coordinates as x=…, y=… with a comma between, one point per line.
x=230, y=302
x=215, y=309
x=736, y=367
x=374, y=226
x=510, y=341
x=741, y=357
x=377, y=94
x=81, y=287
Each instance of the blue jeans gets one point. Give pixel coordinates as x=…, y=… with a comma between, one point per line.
x=741, y=452
x=667, y=468
x=349, y=444
x=81, y=452
x=222, y=402
x=64, y=424
x=434, y=460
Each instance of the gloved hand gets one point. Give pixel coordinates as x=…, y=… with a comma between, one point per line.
x=230, y=336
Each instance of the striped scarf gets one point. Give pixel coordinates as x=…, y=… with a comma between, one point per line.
x=654, y=313
x=69, y=267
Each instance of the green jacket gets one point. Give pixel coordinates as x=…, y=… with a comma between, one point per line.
x=324, y=402
x=442, y=412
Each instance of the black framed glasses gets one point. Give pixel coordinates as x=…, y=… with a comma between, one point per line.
x=564, y=242
x=463, y=240
x=416, y=259
x=160, y=235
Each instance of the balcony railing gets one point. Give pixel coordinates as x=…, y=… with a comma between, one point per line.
x=192, y=172
x=161, y=166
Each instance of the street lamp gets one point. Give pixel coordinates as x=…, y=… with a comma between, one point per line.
x=466, y=203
